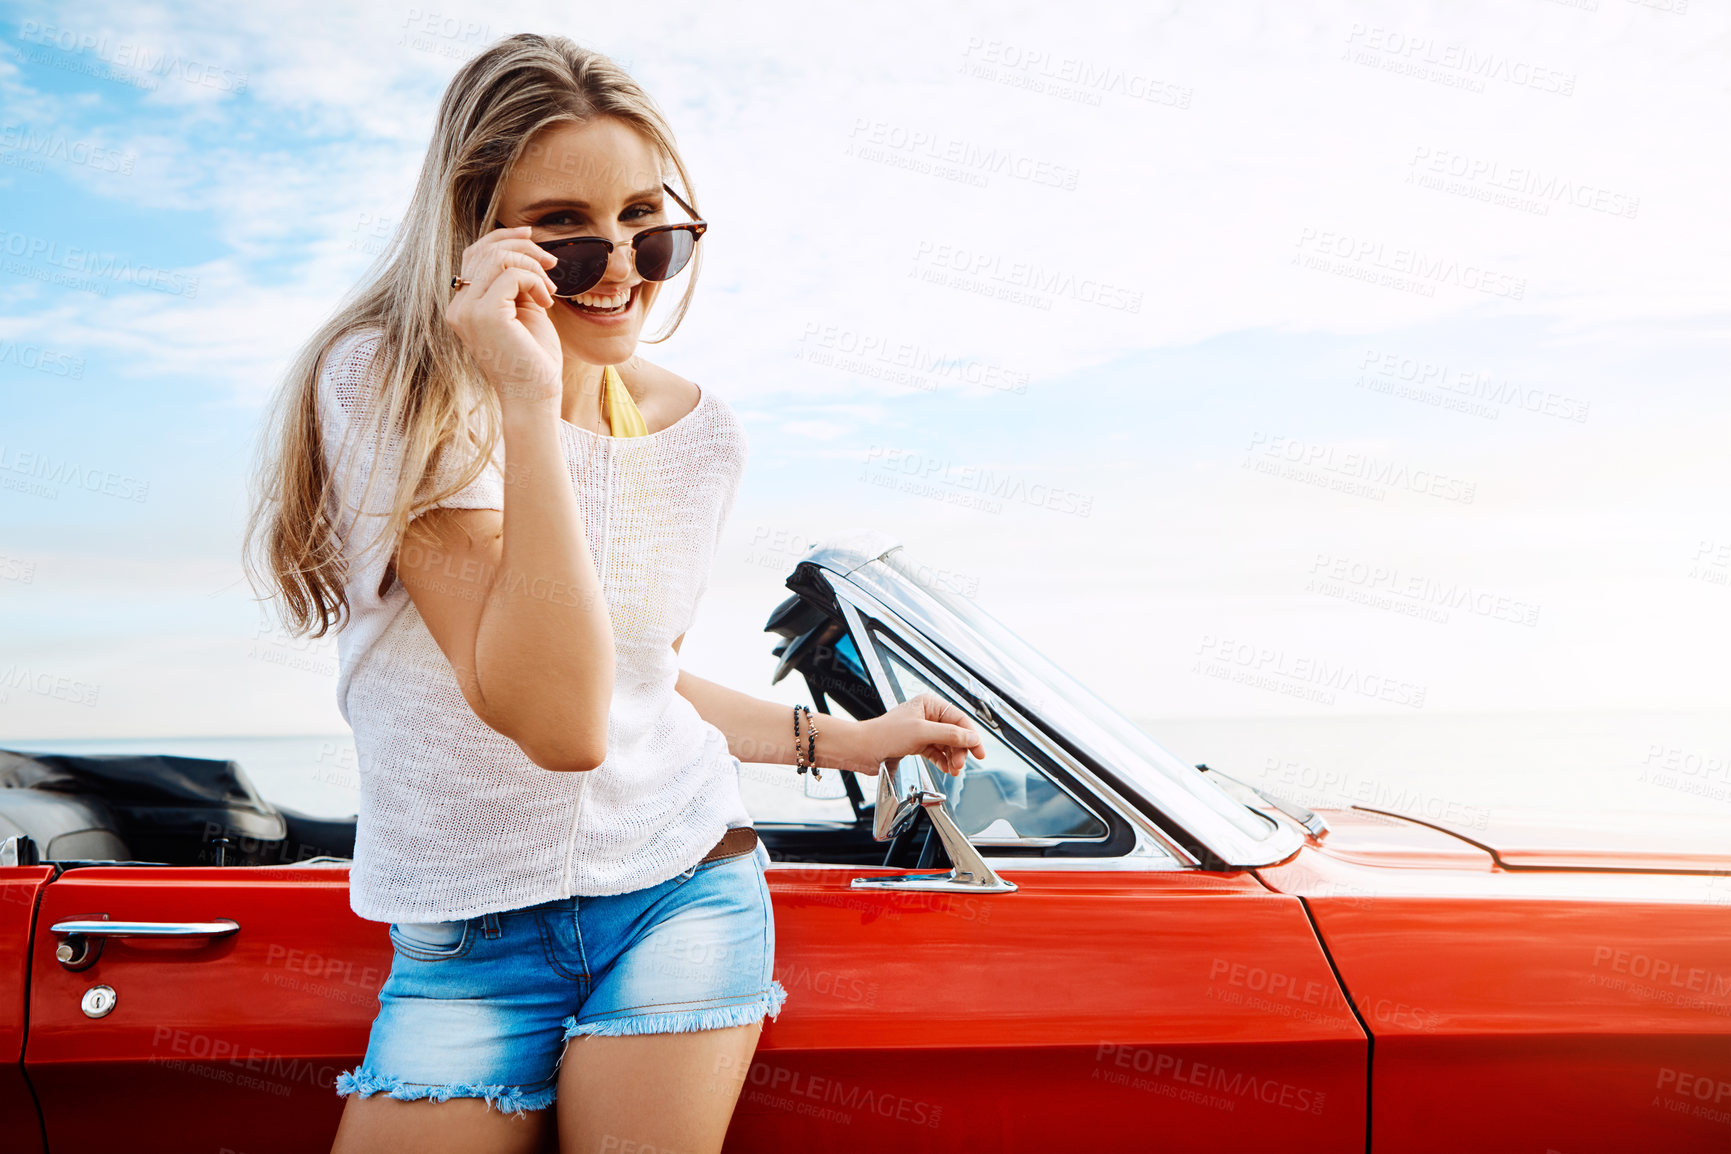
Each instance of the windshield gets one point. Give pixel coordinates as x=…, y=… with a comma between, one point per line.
x=1027, y=677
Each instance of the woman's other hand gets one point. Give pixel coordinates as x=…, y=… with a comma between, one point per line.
x=925, y=725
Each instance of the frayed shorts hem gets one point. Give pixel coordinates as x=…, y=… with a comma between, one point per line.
x=505, y=1099
x=715, y=1016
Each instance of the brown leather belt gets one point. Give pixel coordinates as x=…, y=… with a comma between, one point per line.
x=737, y=840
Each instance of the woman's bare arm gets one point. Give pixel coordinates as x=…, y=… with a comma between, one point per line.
x=759, y=730
x=512, y=596
x=513, y=600
x=762, y=731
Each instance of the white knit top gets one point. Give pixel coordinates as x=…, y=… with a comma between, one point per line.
x=455, y=820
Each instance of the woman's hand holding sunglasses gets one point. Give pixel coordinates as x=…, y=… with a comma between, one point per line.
x=501, y=316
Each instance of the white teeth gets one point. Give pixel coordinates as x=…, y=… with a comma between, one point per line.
x=597, y=302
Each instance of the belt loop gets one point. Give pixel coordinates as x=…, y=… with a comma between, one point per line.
x=490, y=924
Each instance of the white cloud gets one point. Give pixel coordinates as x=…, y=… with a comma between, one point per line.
x=1266, y=140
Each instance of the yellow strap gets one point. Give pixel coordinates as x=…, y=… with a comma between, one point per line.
x=622, y=415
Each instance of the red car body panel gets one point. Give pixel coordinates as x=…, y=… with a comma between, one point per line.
x=1117, y=1006
x=1525, y=1009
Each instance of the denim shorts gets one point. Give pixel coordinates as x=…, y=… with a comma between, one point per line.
x=482, y=1007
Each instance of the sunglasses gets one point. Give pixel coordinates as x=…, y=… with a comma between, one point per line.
x=658, y=252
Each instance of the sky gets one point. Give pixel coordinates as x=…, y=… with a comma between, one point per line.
x=1203, y=345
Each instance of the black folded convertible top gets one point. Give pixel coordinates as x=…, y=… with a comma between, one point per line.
x=163, y=807
x=133, y=777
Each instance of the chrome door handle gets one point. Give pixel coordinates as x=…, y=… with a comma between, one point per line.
x=82, y=944
x=109, y=929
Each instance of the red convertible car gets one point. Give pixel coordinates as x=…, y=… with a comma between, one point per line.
x=1081, y=943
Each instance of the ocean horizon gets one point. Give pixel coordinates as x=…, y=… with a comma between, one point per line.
x=1465, y=766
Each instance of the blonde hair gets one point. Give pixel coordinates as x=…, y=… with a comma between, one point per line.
x=424, y=381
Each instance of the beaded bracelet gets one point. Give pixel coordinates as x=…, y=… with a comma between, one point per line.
x=807, y=758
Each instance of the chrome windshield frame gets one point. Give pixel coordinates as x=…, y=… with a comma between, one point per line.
x=1152, y=848
x=1169, y=812
x=910, y=653
x=1099, y=795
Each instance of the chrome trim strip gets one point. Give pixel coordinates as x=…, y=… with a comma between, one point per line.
x=1309, y=819
x=856, y=627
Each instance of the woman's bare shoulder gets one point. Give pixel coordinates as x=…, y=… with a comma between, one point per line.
x=662, y=395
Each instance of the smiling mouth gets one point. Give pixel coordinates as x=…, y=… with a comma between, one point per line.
x=619, y=310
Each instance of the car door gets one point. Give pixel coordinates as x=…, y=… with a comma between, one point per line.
x=1113, y=1002
x=227, y=1034
x=21, y=884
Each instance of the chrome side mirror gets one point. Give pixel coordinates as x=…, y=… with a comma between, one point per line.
x=897, y=804
x=902, y=794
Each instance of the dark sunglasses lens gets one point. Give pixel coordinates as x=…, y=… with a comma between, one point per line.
x=661, y=255
x=581, y=266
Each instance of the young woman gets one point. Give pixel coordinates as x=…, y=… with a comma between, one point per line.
x=510, y=518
